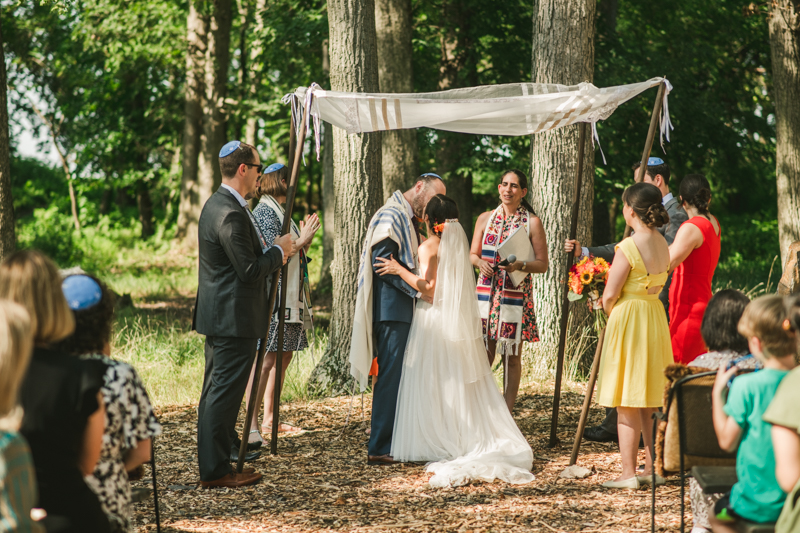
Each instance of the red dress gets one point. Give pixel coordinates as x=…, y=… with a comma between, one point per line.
x=690, y=292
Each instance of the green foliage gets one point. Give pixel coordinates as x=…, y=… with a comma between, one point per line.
x=718, y=61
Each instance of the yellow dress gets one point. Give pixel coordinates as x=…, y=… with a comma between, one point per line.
x=637, y=345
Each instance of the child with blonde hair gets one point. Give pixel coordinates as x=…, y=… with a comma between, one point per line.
x=756, y=496
x=17, y=477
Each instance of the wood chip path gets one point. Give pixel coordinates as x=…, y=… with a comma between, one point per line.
x=320, y=482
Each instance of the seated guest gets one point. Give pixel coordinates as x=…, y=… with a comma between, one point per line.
x=784, y=416
x=130, y=422
x=756, y=496
x=17, y=482
x=721, y=335
x=63, y=407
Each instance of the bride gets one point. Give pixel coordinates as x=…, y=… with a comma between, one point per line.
x=449, y=410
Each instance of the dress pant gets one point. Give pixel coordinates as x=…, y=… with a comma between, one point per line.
x=228, y=364
x=389, y=341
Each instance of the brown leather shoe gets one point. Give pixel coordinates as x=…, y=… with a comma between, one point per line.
x=233, y=480
x=248, y=470
x=381, y=460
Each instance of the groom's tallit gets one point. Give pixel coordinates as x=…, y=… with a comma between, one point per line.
x=392, y=221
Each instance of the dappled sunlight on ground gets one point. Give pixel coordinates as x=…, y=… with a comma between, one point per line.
x=320, y=481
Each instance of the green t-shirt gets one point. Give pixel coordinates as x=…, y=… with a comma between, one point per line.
x=785, y=407
x=756, y=496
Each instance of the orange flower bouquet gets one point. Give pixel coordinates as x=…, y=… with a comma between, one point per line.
x=587, y=280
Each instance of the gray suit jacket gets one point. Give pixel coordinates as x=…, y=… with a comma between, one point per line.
x=677, y=216
x=234, y=274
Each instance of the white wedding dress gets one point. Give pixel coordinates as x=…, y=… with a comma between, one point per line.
x=449, y=410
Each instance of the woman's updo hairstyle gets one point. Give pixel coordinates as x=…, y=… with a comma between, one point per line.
x=696, y=191
x=440, y=209
x=523, y=184
x=645, y=200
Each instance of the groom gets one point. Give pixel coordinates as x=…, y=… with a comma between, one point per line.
x=385, y=306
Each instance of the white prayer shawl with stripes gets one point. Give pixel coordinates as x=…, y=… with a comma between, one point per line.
x=508, y=109
x=391, y=221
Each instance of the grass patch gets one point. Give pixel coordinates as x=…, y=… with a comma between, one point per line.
x=166, y=354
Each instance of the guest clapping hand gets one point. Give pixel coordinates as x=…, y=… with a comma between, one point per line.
x=269, y=215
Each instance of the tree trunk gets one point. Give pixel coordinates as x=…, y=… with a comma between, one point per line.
x=357, y=184
x=213, y=136
x=256, y=49
x=784, y=37
x=190, y=204
x=8, y=239
x=328, y=203
x=400, y=160
x=563, y=52
x=145, y=205
x=457, y=57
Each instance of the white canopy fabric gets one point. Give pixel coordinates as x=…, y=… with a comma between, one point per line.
x=509, y=109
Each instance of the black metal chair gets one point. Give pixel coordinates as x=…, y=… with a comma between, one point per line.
x=141, y=494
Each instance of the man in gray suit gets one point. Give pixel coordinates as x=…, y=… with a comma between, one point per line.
x=658, y=175
x=236, y=263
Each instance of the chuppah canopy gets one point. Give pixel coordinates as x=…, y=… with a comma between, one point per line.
x=508, y=109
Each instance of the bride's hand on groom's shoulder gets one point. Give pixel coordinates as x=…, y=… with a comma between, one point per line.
x=387, y=266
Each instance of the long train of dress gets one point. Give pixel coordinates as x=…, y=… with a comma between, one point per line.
x=449, y=409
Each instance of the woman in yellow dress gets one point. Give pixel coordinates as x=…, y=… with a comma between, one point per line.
x=637, y=346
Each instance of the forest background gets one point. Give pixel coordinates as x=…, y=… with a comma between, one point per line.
x=134, y=99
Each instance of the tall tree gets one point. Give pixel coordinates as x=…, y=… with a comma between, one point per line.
x=563, y=53
x=458, y=68
x=328, y=209
x=7, y=235
x=784, y=37
x=189, y=206
x=400, y=162
x=217, y=61
x=356, y=179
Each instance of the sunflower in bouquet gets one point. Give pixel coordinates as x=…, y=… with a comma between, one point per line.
x=587, y=280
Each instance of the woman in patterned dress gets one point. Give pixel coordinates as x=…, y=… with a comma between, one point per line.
x=498, y=296
x=130, y=421
x=269, y=215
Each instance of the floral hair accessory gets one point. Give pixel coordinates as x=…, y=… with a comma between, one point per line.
x=438, y=228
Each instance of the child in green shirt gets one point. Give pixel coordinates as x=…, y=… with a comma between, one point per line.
x=756, y=496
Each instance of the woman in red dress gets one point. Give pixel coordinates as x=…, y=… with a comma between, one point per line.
x=694, y=256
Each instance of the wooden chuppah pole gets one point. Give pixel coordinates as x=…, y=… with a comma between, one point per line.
x=287, y=227
x=562, y=339
x=259, y=362
x=587, y=400
x=648, y=144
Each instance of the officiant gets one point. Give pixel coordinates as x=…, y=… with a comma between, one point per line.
x=505, y=290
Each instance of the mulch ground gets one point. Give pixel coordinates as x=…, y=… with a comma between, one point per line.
x=320, y=481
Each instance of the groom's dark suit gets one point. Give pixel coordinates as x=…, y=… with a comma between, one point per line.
x=393, y=303
x=231, y=311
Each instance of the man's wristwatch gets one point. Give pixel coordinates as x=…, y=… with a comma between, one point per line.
x=524, y=264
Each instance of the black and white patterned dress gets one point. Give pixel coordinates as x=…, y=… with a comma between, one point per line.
x=294, y=336
x=129, y=420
